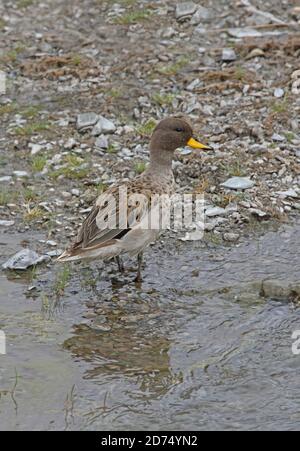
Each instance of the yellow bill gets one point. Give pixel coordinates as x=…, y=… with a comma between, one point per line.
x=196, y=145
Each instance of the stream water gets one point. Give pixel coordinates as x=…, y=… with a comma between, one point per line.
x=194, y=347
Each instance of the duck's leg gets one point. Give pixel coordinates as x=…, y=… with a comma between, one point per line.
x=120, y=264
x=140, y=264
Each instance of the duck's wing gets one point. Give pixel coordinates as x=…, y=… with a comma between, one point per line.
x=114, y=214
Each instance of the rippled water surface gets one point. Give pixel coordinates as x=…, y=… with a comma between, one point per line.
x=195, y=347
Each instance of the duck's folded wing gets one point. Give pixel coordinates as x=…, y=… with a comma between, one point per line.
x=108, y=221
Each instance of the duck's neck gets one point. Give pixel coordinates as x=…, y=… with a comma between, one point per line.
x=160, y=161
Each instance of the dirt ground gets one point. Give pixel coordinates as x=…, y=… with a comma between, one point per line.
x=134, y=62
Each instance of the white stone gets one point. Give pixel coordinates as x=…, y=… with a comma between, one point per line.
x=103, y=126
x=24, y=259
x=279, y=92
x=215, y=211
x=228, y=55
x=4, y=223
x=238, y=183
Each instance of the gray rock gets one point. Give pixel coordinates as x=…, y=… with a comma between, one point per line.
x=260, y=214
x=4, y=223
x=5, y=179
x=278, y=138
x=186, y=151
x=86, y=121
x=70, y=144
x=215, y=211
x=185, y=10
x=25, y=259
x=238, y=183
x=244, y=33
x=102, y=142
x=288, y=193
x=35, y=148
x=280, y=289
x=103, y=126
x=202, y=14
x=231, y=237
x=279, y=92
x=228, y=55
x=21, y=174
x=196, y=235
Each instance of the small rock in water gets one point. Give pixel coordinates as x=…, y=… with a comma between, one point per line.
x=279, y=92
x=228, y=55
x=238, y=183
x=4, y=223
x=25, y=259
x=231, y=237
x=185, y=10
x=197, y=235
x=280, y=289
x=103, y=126
x=86, y=121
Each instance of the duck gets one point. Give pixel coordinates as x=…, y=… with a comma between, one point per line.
x=118, y=223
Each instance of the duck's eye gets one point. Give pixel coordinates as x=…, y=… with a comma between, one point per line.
x=179, y=130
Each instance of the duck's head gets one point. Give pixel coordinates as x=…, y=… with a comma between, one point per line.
x=172, y=133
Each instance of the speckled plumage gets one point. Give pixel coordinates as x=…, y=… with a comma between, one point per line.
x=102, y=235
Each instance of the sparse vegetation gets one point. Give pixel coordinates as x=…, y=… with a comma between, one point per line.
x=163, y=99
x=140, y=167
x=147, y=128
x=38, y=163
x=174, y=68
x=32, y=128
x=133, y=17
x=62, y=279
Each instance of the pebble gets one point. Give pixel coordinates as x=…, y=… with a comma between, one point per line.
x=215, y=211
x=278, y=138
x=70, y=144
x=75, y=192
x=4, y=223
x=102, y=142
x=228, y=55
x=231, y=237
x=288, y=193
x=279, y=92
x=103, y=126
x=25, y=259
x=196, y=235
x=35, y=148
x=238, y=183
x=6, y=178
x=185, y=10
x=202, y=14
x=280, y=289
x=86, y=120
x=244, y=33
x=21, y=174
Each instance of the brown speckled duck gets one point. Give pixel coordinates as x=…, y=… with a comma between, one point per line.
x=107, y=233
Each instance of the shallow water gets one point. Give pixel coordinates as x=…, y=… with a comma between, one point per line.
x=195, y=347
